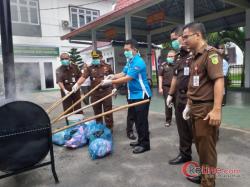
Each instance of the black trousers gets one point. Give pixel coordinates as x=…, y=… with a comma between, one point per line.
x=140, y=115
x=184, y=127
x=168, y=111
x=130, y=121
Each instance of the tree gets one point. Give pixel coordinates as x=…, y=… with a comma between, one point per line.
x=235, y=35
x=75, y=57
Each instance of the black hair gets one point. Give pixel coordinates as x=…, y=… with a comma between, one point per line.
x=196, y=27
x=177, y=30
x=132, y=42
x=217, y=45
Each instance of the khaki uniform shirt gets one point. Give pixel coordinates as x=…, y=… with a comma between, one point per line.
x=206, y=68
x=68, y=75
x=97, y=73
x=166, y=71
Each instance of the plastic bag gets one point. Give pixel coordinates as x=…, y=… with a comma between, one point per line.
x=100, y=148
x=78, y=139
x=61, y=137
x=104, y=134
x=92, y=127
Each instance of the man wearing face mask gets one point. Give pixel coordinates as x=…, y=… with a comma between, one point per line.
x=166, y=71
x=66, y=76
x=97, y=72
x=135, y=75
x=179, y=90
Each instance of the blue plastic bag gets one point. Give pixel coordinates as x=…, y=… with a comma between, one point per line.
x=91, y=127
x=61, y=137
x=104, y=134
x=78, y=139
x=100, y=148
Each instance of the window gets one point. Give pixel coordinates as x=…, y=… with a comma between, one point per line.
x=25, y=11
x=81, y=16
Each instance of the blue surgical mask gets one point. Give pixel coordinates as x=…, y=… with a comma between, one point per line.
x=65, y=62
x=175, y=44
x=128, y=54
x=170, y=60
x=96, y=61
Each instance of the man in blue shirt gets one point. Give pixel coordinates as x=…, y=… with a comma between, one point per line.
x=135, y=75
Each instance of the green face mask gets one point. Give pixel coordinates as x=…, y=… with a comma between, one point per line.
x=170, y=60
x=128, y=54
x=175, y=44
x=96, y=61
x=65, y=62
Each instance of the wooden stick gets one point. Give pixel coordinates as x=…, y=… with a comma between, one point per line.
x=76, y=103
x=85, y=107
x=54, y=105
x=101, y=115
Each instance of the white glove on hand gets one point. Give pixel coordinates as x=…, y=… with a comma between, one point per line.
x=169, y=101
x=106, y=82
x=75, y=87
x=110, y=77
x=66, y=92
x=114, y=91
x=185, y=113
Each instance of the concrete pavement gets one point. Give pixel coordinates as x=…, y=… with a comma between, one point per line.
x=123, y=169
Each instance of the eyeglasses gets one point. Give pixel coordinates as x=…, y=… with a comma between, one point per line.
x=187, y=36
x=64, y=58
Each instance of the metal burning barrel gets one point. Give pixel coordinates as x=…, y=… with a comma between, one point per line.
x=25, y=137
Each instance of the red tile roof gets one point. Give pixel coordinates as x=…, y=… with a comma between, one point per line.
x=124, y=3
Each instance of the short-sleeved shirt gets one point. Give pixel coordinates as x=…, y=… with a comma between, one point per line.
x=183, y=63
x=225, y=67
x=166, y=71
x=138, y=87
x=207, y=67
x=97, y=73
x=68, y=75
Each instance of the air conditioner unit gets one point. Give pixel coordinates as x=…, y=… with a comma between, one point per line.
x=65, y=24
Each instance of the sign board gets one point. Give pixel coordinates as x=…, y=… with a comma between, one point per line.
x=35, y=51
x=156, y=17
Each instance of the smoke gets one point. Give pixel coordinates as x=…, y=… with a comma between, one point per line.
x=27, y=76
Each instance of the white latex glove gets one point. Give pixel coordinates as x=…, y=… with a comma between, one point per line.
x=106, y=82
x=185, y=113
x=75, y=87
x=110, y=77
x=66, y=92
x=114, y=91
x=169, y=101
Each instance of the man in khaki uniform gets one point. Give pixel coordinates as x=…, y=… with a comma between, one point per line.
x=178, y=89
x=205, y=94
x=66, y=76
x=166, y=71
x=97, y=72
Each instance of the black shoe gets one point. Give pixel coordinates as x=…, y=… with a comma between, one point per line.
x=134, y=144
x=179, y=160
x=131, y=136
x=196, y=180
x=140, y=149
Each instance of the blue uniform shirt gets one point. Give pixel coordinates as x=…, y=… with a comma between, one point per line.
x=138, y=86
x=225, y=67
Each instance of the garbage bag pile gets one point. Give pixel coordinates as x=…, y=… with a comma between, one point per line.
x=96, y=135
